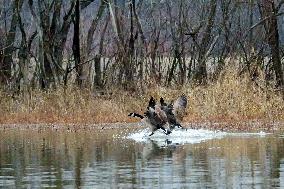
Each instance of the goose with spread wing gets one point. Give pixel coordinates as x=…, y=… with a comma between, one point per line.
x=154, y=117
x=174, y=111
x=157, y=116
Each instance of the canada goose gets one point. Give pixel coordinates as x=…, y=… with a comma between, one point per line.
x=154, y=116
x=171, y=119
x=174, y=111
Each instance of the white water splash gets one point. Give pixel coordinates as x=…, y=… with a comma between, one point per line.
x=186, y=136
x=177, y=136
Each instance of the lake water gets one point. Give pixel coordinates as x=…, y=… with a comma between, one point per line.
x=127, y=158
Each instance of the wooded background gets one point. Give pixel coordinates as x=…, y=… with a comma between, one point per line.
x=99, y=44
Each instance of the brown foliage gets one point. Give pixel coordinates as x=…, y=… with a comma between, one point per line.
x=230, y=98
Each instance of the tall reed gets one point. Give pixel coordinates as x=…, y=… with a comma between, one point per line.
x=231, y=98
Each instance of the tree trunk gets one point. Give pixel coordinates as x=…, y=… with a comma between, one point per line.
x=200, y=75
x=94, y=25
x=6, y=64
x=76, y=44
x=272, y=35
x=98, y=79
x=129, y=60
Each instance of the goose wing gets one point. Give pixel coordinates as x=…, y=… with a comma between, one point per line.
x=153, y=118
x=179, y=107
x=155, y=112
x=161, y=114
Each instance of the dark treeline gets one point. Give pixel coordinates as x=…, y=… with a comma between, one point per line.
x=134, y=43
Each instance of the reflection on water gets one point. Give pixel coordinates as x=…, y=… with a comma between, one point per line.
x=29, y=159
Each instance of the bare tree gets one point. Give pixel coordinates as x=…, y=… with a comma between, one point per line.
x=268, y=10
x=128, y=42
x=201, y=73
x=6, y=64
x=76, y=44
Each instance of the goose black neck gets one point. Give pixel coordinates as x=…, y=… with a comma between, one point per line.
x=136, y=115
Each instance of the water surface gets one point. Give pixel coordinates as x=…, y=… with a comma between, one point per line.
x=113, y=158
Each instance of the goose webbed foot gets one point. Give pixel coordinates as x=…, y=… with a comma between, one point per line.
x=151, y=134
x=172, y=127
x=167, y=132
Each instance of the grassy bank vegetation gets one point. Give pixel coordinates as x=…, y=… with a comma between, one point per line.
x=136, y=50
x=231, y=98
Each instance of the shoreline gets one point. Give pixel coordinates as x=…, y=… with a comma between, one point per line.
x=244, y=126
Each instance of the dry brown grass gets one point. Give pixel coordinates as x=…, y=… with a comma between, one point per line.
x=59, y=106
x=235, y=97
x=231, y=98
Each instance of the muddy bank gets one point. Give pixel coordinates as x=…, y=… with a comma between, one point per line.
x=248, y=126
